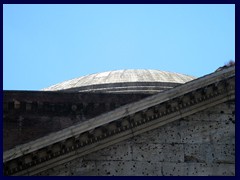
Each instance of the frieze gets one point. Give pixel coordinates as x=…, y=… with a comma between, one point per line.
x=136, y=120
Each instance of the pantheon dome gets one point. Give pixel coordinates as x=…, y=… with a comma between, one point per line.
x=135, y=122
x=123, y=81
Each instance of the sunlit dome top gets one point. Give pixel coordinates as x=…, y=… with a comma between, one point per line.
x=123, y=81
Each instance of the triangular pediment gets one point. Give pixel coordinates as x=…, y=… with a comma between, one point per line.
x=121, y=124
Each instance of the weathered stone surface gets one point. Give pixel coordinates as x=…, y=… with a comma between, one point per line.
x=203, y=131
x=158, y=152
x=209, y=153
x=198, y=169
x=53, y=111
x=187, y=147
x=123, y=81
x=155, y=112
x=166, y=134
x=121, y=151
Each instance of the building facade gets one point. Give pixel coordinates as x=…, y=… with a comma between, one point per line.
x=131, y=122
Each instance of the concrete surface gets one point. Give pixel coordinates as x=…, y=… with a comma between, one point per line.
x=124, y=81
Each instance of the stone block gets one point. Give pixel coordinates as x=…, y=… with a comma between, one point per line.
x=119, y=151
x=206, y=132
x=198, y=153
x=158, y=152
x=168, y=133
x=115, y=168
x=198, y=169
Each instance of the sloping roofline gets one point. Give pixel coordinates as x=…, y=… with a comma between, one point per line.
x=118, y=113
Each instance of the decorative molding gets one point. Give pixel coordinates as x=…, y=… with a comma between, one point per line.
x=120, y=124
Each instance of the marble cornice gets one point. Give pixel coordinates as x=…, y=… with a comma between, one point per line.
x=120, y=124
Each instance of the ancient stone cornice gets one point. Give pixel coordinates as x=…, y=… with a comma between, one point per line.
x=120, y=124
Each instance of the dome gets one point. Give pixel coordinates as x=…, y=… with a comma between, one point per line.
x=123, y=81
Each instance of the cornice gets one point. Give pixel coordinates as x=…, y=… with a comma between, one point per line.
x=120, y=124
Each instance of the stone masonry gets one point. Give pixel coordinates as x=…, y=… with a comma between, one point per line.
x=200, y=144
x=186, y=130
x=29, y=115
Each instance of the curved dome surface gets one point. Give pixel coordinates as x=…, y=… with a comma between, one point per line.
x=123, y=81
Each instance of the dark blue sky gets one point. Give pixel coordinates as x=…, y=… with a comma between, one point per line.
x=47, y=44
